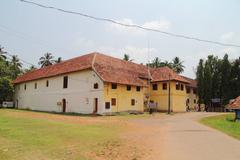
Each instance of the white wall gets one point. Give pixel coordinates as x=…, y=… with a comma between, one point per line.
x=79, y=95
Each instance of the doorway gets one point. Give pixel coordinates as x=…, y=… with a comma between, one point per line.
x=95, y=109
x=64, y=105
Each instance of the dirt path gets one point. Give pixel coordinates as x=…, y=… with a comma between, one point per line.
x=181, y=137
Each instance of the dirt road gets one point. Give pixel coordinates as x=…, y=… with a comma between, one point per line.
x=181, y=137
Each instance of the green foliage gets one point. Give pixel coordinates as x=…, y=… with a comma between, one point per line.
x=46, y=60
x=218, y=78
x=6, y=89
x=126, y=57
x=176, y=64
x=224, y=123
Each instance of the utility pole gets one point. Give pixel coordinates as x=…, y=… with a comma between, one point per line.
x=169, y=94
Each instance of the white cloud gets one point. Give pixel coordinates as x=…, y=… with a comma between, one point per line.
x=160, y=25
x=138, y=54
x=227, y=36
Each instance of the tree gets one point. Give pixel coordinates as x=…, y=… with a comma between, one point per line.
x=126, y=57
x=157, y=63
x=2, y=54
x=225, y=79
x=200, y=81
x=235, y=79
x=59, y=60
x=218, y=78
x=15, y=66
x=6, y=89
x=207, y=82
x=177, y=65
x=32, y=68
x=46, y=60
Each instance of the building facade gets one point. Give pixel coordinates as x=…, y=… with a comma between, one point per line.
x=97, y=83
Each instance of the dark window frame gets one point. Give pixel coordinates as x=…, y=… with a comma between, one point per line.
x=182, y=87
x=194, y=91
x=65, y=82
x=25, y=86
x=35, y=85
x=164, y=86
x=107, y=105
x=133, y=102
x=129, y=88
x=114, y=85
x=47, y=83
x=138, y=88
x=95, y=86
x=155, y=87
x=188, y=90
x=113, y=101
x=177, y=86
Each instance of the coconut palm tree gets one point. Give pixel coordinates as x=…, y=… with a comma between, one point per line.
x=126, y=57
x=2, y=54
x=59, y=60
x=46, y=60
x=30, y=69
x=177, y=65
x=15, y=66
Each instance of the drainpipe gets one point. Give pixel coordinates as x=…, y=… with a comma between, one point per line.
x=169, y=94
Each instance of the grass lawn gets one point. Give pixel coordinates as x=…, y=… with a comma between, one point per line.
x=25, y=136
x=224, y=123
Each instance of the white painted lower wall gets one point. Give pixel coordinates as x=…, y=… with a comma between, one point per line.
x=79, y=95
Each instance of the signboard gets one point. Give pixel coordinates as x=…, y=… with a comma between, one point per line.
x=216, y=100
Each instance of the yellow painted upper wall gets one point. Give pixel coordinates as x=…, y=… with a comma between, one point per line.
x=177, y=97
x=124, y=97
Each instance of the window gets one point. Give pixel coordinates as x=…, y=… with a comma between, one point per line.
x=188, y=90
x=107, y=105
x=95, y=86
x=195, y=91
x=114, y=86
x=164, y=86
x=128, y=88
x=177, y=86
x=195, y=101
x=65, y=82
x=47, y=83
x=35, y=85
x=138, y=88
x=154, y=87
x=182, y=87
x=25, y=86
x=133, y=102
x=114, y=101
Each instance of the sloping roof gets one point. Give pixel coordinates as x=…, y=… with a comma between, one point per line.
x=71, y=65
x=164, y=73
x=119, y=71
x=235, y=104
x=193, y=82
x=108, y=68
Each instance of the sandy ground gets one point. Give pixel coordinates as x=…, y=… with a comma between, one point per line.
x=182, y=137
x=158, y=137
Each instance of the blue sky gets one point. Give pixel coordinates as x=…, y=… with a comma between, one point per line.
x=30, y=31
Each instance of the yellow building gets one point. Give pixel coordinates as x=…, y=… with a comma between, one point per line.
x=97, y=83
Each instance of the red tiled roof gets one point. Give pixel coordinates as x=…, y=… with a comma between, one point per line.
x=235, y=104
x=71, y=65
x=163, y=73
x=119, y=71
x=193, y=82
x=108, y=68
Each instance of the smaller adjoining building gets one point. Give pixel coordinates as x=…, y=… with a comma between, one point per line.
x=235, y=105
